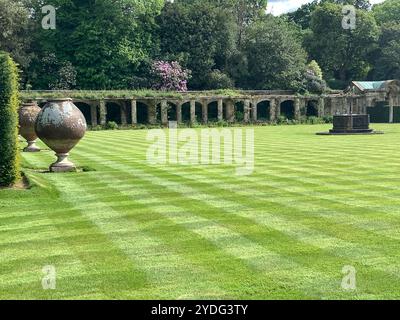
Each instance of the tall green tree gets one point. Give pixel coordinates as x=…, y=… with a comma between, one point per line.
x=15, y=31
x=105, y=41
x=245, y=12
x=302, y=16
x=200, y=35
x=342, y=54
x=275, y=58
x=388, y=11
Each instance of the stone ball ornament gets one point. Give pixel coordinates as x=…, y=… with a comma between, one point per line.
x=27, y=114
x=61, y=125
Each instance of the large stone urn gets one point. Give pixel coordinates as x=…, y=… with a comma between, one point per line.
x=61, y=125
x=28, y=113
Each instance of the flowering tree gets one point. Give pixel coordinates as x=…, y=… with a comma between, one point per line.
x=169, y=76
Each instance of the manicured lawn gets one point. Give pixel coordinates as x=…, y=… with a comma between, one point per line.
x=134, y=231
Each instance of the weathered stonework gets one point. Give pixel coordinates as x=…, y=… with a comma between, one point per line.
x=337, y=102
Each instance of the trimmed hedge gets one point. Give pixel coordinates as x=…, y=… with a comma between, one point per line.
x=9, y=103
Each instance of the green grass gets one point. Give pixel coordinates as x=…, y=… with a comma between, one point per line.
x=134, y=231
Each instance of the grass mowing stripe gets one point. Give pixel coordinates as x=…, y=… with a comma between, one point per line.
x=215, y=215
x=291, y=163
x=187, y=269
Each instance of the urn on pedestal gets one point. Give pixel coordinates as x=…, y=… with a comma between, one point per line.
x=28, y=113
x=61, y=125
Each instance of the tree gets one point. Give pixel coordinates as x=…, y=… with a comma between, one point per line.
x=388, y=11
x=342, y=54
x=197, y=34
x=387, y=57
x=275, y=57
x=9, y=160
x=15, y=31
x=105, y=41
x=245, y=12
x=302, y=16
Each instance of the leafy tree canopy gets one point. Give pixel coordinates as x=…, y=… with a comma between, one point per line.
x=342, y=54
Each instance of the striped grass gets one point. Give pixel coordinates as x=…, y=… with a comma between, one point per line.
x=131, y=230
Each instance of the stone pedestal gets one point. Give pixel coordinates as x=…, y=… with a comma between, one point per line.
x=348, y=124
x=32, y=147
x=62, y=164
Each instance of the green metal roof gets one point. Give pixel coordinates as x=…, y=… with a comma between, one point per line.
x=370, y=85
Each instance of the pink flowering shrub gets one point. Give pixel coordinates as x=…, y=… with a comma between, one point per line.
x=169, y=76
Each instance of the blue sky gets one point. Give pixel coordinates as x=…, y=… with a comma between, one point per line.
x=278, y=7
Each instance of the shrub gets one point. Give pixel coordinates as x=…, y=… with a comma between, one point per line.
x=111, y=125
x=328, y=119
x=169, y=76
x=314, y=84
x=9, y=102
x=218, y=80
x=314, y=120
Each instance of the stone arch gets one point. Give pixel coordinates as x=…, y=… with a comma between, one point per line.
x=114, y=112
x=85, y=109
x=311, y=108
x=264, y=110
x=199, y=112
x=212, y=109
x=172, y=111
x=287, y=109
x=239, y=110
x=185, y=111
x=142, y=110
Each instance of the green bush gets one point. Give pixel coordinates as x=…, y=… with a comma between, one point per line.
x=111, y=125
x=9, y=102
x=328, y=119
x=219, y=80
x=314, y=120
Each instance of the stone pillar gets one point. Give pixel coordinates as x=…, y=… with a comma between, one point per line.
x=205, y=112
x=230, y=107
x=124, y=115
x=278, y=108
x=93, y=114
x=152, y=111
x=321, y=107
x=297, y=109
x=247, y=109
x=134, y=112
x=220, y=110
x=254, y=115
x=103, y=112
x=192, y=111
x=272, y=110
x=164, y=112
x=391, y=110
x=179, y=113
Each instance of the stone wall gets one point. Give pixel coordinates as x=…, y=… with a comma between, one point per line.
x=198, y=106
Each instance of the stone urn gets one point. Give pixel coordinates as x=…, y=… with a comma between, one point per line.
x=61, y=125
x=27, y=114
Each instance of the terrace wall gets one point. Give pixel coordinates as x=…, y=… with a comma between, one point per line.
x=164, y=109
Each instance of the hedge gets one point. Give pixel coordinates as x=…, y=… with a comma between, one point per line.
x=9, y=102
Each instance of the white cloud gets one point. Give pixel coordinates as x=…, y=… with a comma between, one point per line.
x=278, y=7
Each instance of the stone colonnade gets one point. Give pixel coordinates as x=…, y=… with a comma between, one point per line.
x=225, y=108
